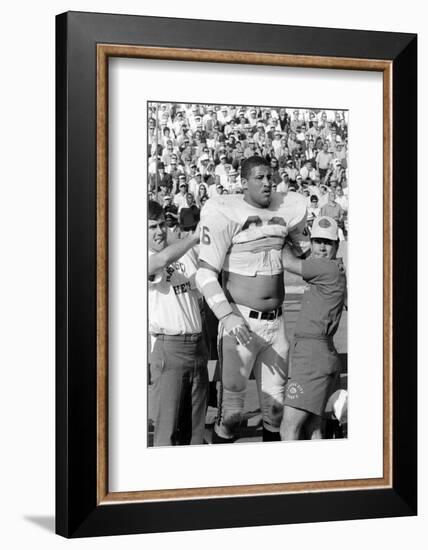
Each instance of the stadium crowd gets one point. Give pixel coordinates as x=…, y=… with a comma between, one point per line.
x=195, y=152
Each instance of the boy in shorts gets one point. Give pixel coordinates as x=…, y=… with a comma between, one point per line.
x=314, y=361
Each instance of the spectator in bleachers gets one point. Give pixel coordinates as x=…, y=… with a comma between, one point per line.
x=189, y=215
x=308, y=172
x=283, y=185
x=295, y=121
x=323, y=160
x=202, y=193
x=164, y=191
x=332, y=209
x=283, y=119
x=313, y=210
x=341, y=198
x=291, y=170
x=180, y=198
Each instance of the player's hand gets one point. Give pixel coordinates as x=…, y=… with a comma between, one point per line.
x=235, y=326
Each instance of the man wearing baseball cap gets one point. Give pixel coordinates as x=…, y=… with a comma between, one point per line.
x=180, y=198
x=314, y=361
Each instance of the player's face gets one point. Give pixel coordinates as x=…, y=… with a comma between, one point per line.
x=157, y=234
x=323, y=248
x=259, y=186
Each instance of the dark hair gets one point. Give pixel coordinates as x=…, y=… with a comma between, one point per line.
x=155, y=210
x=250, y=163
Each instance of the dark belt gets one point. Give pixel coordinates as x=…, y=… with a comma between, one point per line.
x=265, y=315
x=322, y=337
x=179, y=337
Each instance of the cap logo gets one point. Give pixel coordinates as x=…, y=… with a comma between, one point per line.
x=324, y=223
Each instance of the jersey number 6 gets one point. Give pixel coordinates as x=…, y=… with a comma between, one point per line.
x=205, y=238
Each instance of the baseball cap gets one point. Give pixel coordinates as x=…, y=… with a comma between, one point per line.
x=324, y=227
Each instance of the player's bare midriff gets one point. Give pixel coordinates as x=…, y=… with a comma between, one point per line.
x=261, y=292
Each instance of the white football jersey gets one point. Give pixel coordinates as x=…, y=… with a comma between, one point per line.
x=247, y=240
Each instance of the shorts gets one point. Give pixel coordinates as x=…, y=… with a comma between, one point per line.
x=314, y=369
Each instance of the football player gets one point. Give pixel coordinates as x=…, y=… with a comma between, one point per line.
x=242, y=237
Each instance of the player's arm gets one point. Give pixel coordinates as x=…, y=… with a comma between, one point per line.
x=290, y=262
x=172, y=253
x=208, y=285
x=298, y=235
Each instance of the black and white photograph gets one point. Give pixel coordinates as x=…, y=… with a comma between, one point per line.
x=167, y=201
x=247, y=246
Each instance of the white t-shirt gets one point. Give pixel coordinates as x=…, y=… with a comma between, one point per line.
x=343, y=201
x=173, y=298
x=180, y=201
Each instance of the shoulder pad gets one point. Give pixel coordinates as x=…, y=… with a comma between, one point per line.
x=292, y=205
x=223, y=205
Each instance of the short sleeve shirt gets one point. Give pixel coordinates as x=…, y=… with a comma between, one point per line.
x=323, y=160
x=173, y=298
x=323, y=302
x=334, y=211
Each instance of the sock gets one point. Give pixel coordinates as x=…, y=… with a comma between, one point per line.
x=270, y=436
x=217, y=439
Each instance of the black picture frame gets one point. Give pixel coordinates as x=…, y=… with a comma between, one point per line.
x=78, y=511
